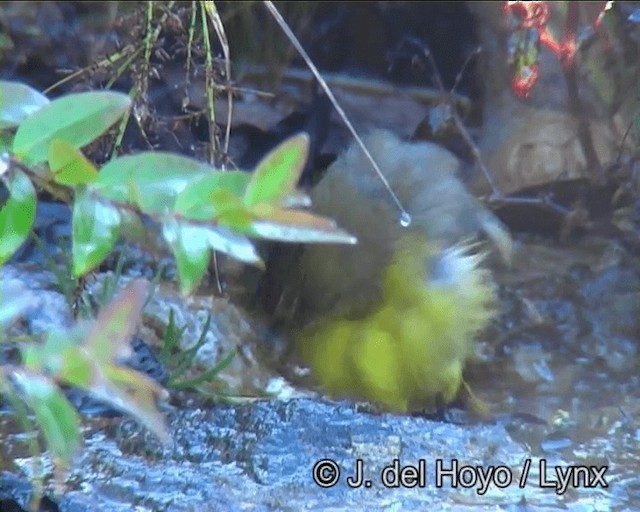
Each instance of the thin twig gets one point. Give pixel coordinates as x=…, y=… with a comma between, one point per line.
x=191, y=34
x=477, y=51
x=109, y=60
x=624, y=141
x=209, y=81
x=496, y=194
x=209, y=10
x=212, y=11
x=405, y=218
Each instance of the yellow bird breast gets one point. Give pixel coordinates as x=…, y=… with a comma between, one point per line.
x=392, y=319
x=408, y=353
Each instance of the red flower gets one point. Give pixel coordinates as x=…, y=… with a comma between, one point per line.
x=524, y=80
x=531, y=14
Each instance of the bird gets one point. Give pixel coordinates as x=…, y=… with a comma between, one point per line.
x=392, y=319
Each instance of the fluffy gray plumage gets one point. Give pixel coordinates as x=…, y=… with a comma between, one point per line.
x=342, y=279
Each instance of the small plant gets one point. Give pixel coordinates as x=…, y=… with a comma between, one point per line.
x=87, y=356
x=179, y=361
x=199, y=207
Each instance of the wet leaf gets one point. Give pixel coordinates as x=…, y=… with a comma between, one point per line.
x=95, y=229
x=296, y=199
x=209, y=197
x=17, y=214
x=17, y=102
x=76, y=118
x=191, y=244
x=69, y=166
x=192, y=252
x=277, y=174
x=297, y=226
x=233, y=244
x=149, y=180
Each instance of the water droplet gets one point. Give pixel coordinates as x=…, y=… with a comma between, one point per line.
x=405, y=220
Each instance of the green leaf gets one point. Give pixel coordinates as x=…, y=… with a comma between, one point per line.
x=217, y=199
x=238, y=220
x=134, y=393
x=277, y=174
x=55, y=415
x=17, y=214
x=192, y=252
x=209, y=197
x=109, y=337
x=149, y=180
x=48, y=356
x=17, y=102
x=95, y=229
x=69, y=166
x=178, y=381
x=283, y=225
x=191, y=244
x=76, y=118
x=91, y=361
x=76, y=368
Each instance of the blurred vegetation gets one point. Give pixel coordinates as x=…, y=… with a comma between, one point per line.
x=199, y=207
